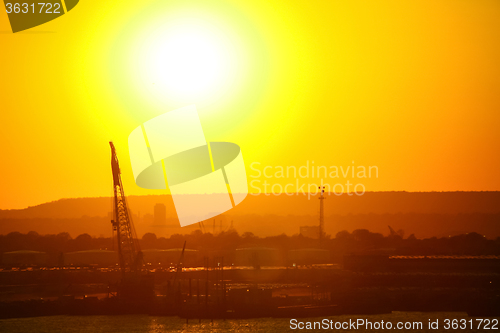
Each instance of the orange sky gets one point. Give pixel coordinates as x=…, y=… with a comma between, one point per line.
x=410, y=87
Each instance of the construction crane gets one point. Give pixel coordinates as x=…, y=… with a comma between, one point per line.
x=129, y=254
x=393, y=233
x=202, y=227
x=134, y=285
x=178, y=268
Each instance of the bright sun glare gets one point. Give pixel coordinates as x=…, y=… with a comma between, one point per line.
x=186, y=61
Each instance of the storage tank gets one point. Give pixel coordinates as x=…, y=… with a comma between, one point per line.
x=91, y=257
x=258, y=256
x=23, y=258
x=308, y=256
x=157, y=257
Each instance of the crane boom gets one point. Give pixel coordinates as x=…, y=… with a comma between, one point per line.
x=393, y=233
x=128, y=250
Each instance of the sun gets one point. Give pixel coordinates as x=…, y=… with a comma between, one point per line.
x=189, y=61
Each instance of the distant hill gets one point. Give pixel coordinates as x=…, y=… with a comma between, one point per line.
x=425, y=214
x=297, y=204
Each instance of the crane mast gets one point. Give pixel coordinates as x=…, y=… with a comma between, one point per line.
x=128, y=250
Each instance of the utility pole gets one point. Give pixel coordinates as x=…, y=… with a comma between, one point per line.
x=321, y=214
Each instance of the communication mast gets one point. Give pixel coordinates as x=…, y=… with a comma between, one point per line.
x=129, y=254
x=321, y=214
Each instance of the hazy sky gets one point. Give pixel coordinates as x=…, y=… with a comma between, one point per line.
x=412, y=87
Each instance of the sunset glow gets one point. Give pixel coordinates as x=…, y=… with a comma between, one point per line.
x=410, y=88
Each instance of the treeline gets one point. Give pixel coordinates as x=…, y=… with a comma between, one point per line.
x=344, y=242
x=422, y=225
